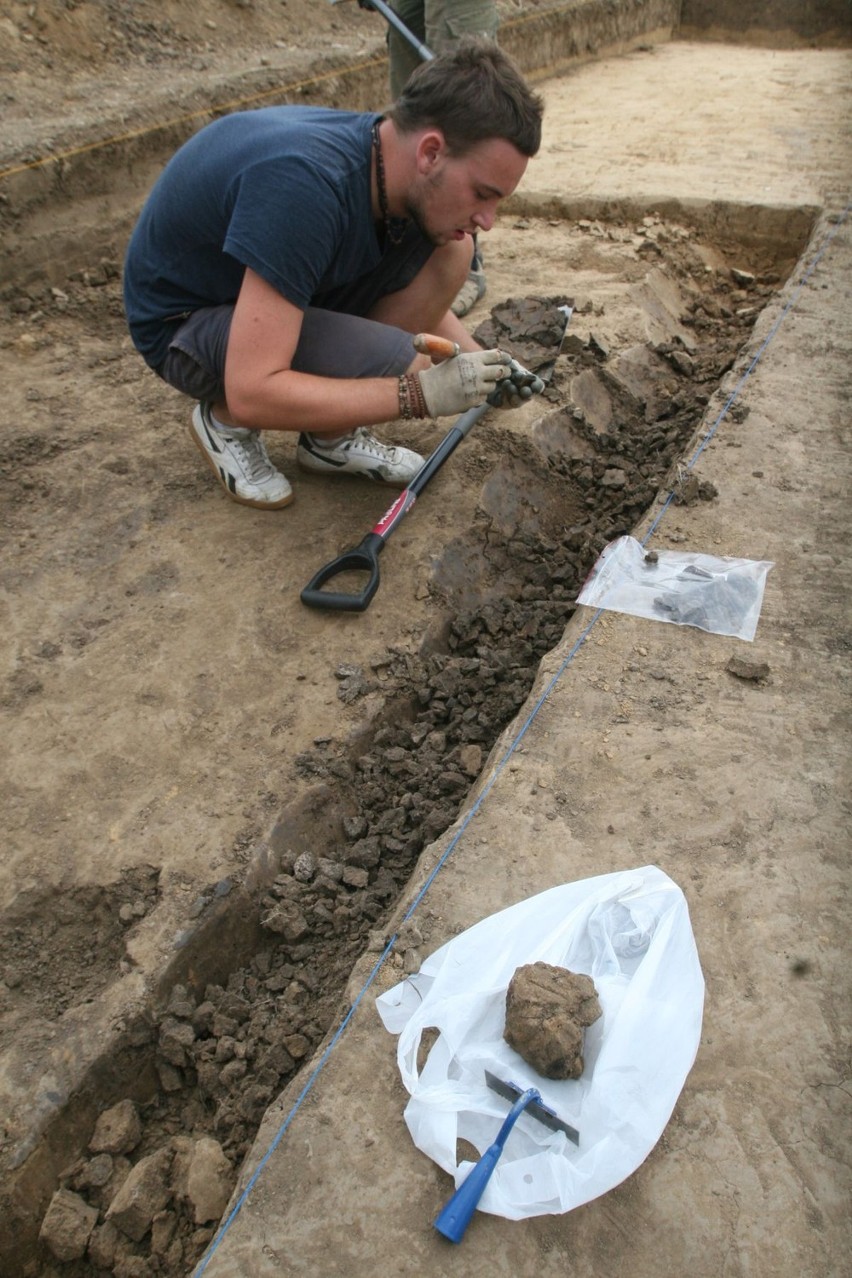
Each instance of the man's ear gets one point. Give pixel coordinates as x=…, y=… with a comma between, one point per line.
x=430, y=150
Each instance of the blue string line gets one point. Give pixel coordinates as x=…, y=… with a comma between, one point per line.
x=279, y=1135
x=513, y=746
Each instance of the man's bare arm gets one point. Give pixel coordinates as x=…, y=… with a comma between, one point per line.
x=264, y=392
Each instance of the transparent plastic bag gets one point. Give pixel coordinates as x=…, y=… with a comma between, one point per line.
x=630, y=932
x=723, y=596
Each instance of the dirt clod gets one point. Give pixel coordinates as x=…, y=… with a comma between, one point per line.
x=742, y=668
x=144, y=1193
x=547, y=1011
x=118, y=1130
x=67, y=1225
x=209, y=1181
x=529, y=328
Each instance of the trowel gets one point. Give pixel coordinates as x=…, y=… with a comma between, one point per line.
x=454, y=1217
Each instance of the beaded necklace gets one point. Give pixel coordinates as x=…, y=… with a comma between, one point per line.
x=395, y=227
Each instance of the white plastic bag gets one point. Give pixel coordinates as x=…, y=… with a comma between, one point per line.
x=630, y=932
x=721, y=595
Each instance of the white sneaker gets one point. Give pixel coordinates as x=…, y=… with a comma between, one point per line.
x=240, y=462
x=359, y=454
x=469, y=293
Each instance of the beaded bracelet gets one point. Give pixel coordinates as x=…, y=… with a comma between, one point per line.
x=411, y=401
x=405, y=411
x=420, y=409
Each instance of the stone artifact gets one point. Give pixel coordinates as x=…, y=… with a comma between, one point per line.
x=547, y=1011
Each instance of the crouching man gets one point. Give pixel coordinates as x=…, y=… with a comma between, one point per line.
x=286, y=256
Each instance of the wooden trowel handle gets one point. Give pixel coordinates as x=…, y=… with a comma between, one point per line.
x=440, y=347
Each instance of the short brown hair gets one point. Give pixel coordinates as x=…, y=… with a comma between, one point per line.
x=473, y=93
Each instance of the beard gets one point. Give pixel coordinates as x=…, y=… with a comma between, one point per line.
x=416, y=210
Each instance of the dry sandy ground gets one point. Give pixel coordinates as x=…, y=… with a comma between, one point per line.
x=161, y=678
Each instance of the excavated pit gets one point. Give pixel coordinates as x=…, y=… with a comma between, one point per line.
x=259, y=976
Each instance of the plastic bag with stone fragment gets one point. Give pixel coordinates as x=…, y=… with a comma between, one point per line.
x=630, y=932
x=721, y=595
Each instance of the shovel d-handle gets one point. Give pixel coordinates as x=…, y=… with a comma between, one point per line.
x=363, y=558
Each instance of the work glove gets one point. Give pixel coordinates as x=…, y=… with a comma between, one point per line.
x=462, y=382
x=515, y=389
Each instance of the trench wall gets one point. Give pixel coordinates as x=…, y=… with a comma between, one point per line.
x=770, y=23
x=76, y=203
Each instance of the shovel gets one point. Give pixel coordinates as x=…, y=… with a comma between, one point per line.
x=364, y=557
x=395, y=21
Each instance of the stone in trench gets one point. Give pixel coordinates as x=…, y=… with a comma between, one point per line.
x=171, y=1079
x=176, y=1040
x=132, y=1267
x=118, y=1130
x=162, y=1231
x=96, y=1173
x=145, y=1193
x=470, y=758
x=103, y=1245
x=297, y=1045
x=355, y=877
x=67, y=1225
x=287, y=920
x=209, y=1181
x=547, y=1011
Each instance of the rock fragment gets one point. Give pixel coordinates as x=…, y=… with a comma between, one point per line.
x=118, y=1130
x=103, y=1245
x=67, y=1225
x=547, y=1011
x=755, y=671
x=142, y=1196
x=209, y=1181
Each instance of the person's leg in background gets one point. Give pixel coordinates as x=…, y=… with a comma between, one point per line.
x=403, y=57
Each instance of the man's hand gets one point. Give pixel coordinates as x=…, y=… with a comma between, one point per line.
x=463, y=381
x=515, y=389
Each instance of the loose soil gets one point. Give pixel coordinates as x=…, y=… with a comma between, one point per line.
x=206, y=781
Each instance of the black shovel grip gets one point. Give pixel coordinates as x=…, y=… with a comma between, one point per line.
x=364, y=558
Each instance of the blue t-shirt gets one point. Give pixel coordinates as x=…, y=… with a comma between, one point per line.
x=284, y=190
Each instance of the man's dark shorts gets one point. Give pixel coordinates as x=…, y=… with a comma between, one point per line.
x=336, y=339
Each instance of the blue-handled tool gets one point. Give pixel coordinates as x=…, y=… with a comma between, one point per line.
x=454, y=1217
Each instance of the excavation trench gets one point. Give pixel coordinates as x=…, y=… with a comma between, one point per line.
x=259, y=974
